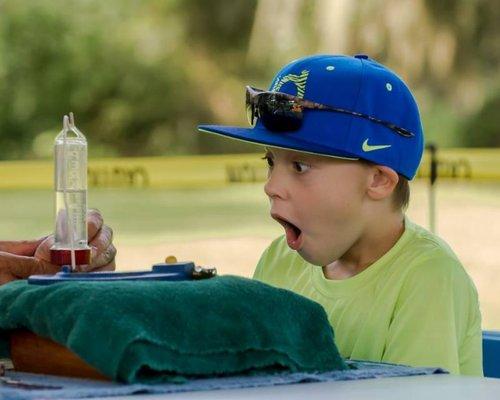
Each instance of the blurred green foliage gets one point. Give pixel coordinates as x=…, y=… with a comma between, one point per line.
x=123, y=67
x=482, y=129
x=140, y=75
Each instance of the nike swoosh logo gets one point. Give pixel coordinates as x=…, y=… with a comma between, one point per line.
x=366, y=147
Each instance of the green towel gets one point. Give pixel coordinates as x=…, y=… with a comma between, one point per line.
x=163, y=331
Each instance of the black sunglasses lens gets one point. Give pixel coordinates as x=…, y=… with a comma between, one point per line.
x=279, y=114
x=280, y=122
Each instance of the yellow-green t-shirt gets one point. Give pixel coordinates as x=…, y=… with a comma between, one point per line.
x=415, y=305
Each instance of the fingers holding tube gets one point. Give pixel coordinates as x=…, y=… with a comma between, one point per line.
x=102, y=241
x=108, y=267
x=43, y=250
x=94, y=223
x=103, y=250
x=105, y=259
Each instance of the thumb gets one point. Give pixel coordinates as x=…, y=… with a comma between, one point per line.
x=23, y=266
x=21, y=247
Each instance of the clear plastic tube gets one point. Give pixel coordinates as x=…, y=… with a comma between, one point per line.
x=70, y=179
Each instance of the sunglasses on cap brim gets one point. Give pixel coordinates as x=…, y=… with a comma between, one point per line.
x=283, y=112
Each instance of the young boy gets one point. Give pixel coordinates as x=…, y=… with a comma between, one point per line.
x=343, y=137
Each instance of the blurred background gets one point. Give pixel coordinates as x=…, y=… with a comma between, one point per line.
x=147, y=72
x=140, y=75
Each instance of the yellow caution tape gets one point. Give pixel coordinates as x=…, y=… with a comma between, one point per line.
x=218, y=170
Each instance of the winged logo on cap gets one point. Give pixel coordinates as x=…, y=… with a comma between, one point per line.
x=299, y=81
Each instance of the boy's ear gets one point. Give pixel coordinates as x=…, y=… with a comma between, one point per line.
x=382, y=182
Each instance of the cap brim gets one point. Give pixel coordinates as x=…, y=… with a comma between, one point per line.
x=283, y=140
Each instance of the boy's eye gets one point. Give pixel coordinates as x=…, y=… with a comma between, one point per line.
x=300, y=166
x=269, y=160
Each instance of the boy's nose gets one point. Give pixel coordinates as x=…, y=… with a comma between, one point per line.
x=275, y=186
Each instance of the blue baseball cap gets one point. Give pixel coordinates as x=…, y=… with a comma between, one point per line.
x=357, y=84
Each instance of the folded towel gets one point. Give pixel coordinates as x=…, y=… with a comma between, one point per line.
x=160, y=331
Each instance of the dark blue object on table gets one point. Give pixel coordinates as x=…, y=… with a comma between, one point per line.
x=180, y=271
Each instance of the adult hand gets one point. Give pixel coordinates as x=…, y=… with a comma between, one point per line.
x=17, y=256
x=100, y=236
x=18, y=260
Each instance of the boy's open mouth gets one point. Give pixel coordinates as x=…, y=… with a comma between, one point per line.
x=293, y=233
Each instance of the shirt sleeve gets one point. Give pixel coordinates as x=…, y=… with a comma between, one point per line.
x=437, y=322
